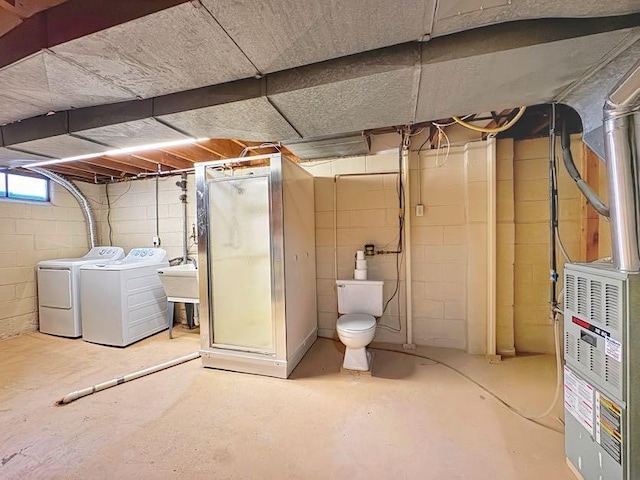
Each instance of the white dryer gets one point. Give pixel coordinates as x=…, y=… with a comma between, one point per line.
x=124, y=301
x=59, y=290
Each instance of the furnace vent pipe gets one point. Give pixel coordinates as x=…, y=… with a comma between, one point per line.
x=591, y=196
x=621, y=153
x=72, y=188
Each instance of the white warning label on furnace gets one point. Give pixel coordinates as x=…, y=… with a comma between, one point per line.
x=613, y=349
x=578, y=399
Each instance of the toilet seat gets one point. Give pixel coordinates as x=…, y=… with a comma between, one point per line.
x=356, y=322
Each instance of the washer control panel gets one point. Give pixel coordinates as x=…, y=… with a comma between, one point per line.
x=106, y=253
x=146, y=255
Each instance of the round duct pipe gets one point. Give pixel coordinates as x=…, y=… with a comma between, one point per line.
x=72, y=188
x=621, y=152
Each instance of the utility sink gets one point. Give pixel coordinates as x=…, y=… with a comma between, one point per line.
x=180, y=283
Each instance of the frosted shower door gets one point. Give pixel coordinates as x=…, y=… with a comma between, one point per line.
x=240, y=262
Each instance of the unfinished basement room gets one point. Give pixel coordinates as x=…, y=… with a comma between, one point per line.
x=320, y=239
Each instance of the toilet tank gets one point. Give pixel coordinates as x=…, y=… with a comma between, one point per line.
x=360, y=296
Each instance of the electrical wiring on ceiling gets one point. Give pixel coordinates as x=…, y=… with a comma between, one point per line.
x=504, y=127
x=449, y=124
x=442, y=135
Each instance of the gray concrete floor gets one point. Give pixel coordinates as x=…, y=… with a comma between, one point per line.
x=413, y=419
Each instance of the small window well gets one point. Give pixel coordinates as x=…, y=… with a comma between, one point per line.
x=24, y=187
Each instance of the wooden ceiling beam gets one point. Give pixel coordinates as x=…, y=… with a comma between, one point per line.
x=222, y=147
x=496, y=120
x=165, y=159
x=542, y=124
x=133, y=162
x=239, y=142
x=190, y=153
x=114, y=165
x=289, y=154
x=71, y=173
x=95, y=169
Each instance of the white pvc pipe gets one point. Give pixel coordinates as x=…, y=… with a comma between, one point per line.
x=492, y=185
x=335, y=227
x=72, y=396
x=407, y=244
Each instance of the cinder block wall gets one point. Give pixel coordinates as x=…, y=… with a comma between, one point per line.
x=367, y=212
x=533, y=329
x=31, y=232
x=448, y=243
x=133, y=214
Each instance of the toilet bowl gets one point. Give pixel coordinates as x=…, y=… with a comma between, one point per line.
x=356, y=331
x=359, y=303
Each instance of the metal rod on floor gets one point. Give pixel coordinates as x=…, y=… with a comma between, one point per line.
x=72, y=396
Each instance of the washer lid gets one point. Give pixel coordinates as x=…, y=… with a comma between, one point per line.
x=356, y=322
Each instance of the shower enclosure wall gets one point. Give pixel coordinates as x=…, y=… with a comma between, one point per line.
x=256, y=230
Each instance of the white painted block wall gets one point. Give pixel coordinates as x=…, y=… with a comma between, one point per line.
x=31, y=232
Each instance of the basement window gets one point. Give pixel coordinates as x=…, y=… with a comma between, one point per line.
x=24, y=187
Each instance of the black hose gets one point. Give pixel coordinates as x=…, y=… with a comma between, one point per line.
x=592, y=197
x=553, y=209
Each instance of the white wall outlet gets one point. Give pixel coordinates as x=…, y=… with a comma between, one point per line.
x=156, y=242
x=419, y=210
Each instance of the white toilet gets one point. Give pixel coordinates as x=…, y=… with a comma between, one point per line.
x=359, y=302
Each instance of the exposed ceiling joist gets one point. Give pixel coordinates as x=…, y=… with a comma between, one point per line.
x=132, y=161
x=115, y=166
x=222, y=147
x=163, y=158
x=191, y=153
x=94, y=169
x=73, y=173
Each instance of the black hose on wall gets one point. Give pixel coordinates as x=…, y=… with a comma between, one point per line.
x=592, y=197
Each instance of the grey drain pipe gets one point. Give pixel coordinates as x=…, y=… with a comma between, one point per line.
x=72, y=396
x=621, y=151
x=591, y=196
x=89, y=218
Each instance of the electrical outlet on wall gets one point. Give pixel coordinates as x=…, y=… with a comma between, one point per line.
x=419, y=210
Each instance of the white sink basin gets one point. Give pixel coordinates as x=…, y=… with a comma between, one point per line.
x=180, y=283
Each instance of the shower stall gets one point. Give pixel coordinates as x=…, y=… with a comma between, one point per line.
x=256, y=248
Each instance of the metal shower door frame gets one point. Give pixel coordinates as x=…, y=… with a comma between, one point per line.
x=276, y=228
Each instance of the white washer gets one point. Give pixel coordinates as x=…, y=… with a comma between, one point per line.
x=124, y=301
x=59, y=290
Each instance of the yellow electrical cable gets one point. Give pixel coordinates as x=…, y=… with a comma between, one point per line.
x=491, y=130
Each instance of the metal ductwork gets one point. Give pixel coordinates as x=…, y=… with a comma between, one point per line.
x=622, y=146
x=92, y=232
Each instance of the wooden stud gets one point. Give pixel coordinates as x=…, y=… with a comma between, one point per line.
x=590, y=223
